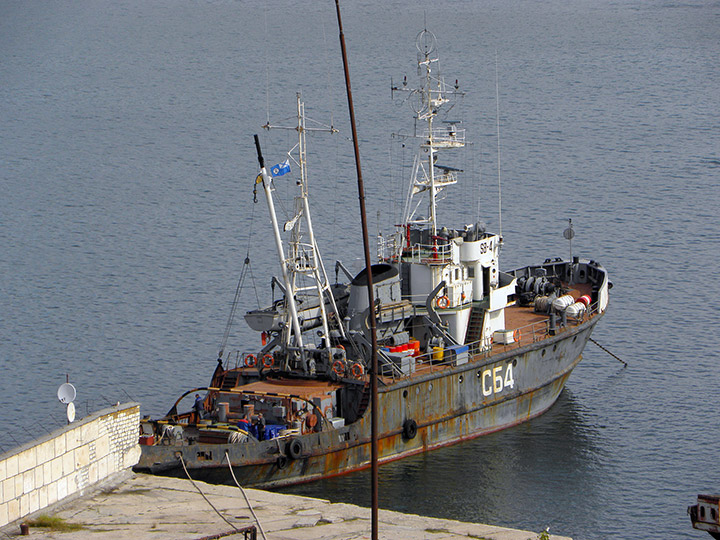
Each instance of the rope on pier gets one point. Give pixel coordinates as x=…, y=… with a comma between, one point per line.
x=262, y=532
x=179, y=455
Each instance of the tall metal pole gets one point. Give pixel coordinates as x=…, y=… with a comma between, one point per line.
x=371, y=296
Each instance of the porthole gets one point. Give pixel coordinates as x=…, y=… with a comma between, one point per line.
x=543, y=352
x=514, y=362
x=555, y=347
x=479, y=374
x=405, y=393
x=429, y=387
x=460, y=379
x=574, y=339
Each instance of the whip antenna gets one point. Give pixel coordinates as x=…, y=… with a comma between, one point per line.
x=497, y=117
x=267, y=73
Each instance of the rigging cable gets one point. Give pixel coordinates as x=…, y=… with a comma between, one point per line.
x=233, y=307
x=327, y=73
x=267, y=73
x=241, y=280
x=330, y=93
x=478, y=193
x=497, y=116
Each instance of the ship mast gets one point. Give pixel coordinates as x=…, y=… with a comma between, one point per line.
x=429, y=179
x=267, y=186
x=432, y=100
x=303, y=257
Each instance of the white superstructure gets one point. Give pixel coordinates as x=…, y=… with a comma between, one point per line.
x=457, y=268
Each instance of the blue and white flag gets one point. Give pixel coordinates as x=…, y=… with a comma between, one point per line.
x=280, y=168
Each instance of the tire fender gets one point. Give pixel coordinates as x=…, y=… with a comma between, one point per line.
x=409, y=429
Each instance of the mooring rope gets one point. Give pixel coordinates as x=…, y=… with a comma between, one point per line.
x=611, y=354
x=203, y=495
x=252, y=511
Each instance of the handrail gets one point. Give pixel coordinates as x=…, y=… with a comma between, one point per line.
x=431, y=252
x=538, y=330
x=446, y=134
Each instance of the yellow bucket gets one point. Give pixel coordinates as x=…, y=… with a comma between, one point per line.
x=438, y=353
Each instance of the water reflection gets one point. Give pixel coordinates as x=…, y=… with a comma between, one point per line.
x=534, y=475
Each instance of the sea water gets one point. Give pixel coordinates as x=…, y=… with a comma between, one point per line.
x=127, y=212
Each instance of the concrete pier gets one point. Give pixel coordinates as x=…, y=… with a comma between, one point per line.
x=143, y=507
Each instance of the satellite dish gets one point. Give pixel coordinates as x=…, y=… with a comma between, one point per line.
x=71, y=411
x=66, y=393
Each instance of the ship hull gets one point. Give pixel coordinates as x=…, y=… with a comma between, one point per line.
x=416, y=415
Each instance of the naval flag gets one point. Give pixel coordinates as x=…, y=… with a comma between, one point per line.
x=280, y=168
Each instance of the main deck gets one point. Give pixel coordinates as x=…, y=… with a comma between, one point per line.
x=523, y=323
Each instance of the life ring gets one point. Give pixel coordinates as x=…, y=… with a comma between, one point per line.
x=311, y=421
x=341, y=346
x=327, y=411
x=356, y=370
x=443, y=302
x=409, y=429
x=250, y=360
x=295, y=448
x=338, y=367
x=268, y=361
x=517, y=335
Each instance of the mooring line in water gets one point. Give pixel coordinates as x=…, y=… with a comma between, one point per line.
x=179, y=455
x=611, y=354
x=252, y=511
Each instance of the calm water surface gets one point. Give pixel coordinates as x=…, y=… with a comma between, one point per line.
x=126, y=211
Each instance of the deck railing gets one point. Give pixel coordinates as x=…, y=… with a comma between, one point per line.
x=529, y=333
x=446, y=136
x=535, y=331
x=429, y=253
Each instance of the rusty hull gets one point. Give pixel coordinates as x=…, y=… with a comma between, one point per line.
x=447, y=406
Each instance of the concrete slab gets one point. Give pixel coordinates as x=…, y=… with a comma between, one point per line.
x=145, y=507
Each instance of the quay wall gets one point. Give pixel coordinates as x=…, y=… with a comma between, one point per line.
x=67, y=461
